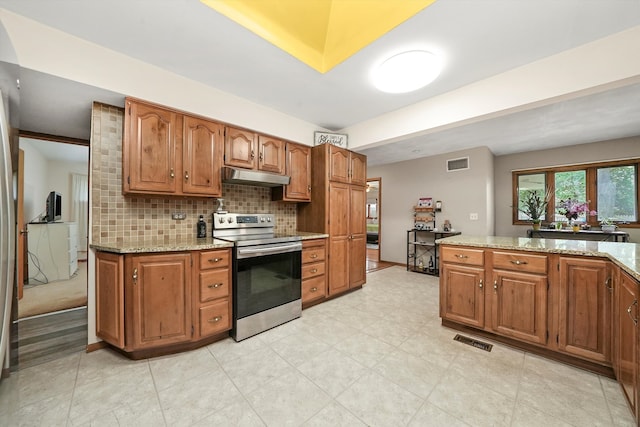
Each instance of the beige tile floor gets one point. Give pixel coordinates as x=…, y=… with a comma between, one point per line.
x=375, y=357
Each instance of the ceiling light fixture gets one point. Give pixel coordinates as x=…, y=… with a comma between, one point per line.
x=407, y=71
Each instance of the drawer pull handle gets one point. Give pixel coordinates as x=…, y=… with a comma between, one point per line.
x=481, y=283
x=214, y=285
x=462, y=256
x=135, y=276
x=315, y=270
x=607, y=284
x=314, y=255
x=495, y=285
x=635, y=321
x=215, y=259
x=518, y=262
x=314, y=289
x=215, y=319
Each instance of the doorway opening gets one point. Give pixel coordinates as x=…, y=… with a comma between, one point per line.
x=374, y=224
x=51, y=294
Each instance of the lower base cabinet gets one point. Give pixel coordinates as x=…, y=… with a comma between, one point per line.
x=155, y=301
x=314, y=278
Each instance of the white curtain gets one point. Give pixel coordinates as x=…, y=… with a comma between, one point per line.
x=80, y=207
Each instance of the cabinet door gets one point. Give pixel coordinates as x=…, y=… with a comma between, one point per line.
x=584, y=313
x=625, y=337
x=338, y=164
x=161, y=300
x=110, y=298
x=339, y=236
x=299, y=169
x=519, y=306
x=462, y=294
x=202, y=157
x=358, y=236
x=271, y=156
x=239, y=148
x=358, y=169
x=149, y=149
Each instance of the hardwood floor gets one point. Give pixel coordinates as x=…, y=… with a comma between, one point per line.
x=372, y=261
x=44, y=338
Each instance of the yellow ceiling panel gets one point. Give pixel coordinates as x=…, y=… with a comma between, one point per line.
x=320, y=33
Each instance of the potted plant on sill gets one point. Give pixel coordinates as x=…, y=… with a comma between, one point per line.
x=608, y=225
x=534, y=205
x=572, y=209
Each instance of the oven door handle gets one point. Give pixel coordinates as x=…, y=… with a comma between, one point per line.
x=272, y=250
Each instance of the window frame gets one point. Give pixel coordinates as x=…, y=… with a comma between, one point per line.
x=591, y=170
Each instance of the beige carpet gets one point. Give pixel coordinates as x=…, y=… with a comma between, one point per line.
x=55, y=296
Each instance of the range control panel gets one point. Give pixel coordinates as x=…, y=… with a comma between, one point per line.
x=231, y=220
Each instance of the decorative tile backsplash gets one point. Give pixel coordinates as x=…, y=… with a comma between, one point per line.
x=116, y=217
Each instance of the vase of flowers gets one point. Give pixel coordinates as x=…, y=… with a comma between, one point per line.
x=534, y=205
x=571, y=209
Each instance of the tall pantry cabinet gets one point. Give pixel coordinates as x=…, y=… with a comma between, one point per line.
x=337, y=208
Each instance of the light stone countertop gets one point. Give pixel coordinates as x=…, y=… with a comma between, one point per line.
x=625, y=255
x=134, y=246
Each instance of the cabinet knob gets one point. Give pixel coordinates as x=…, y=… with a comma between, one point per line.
x=314, y=289
x=261, y=156
x=495, y=285
x=135, y=275
x=634, y=320
x=309, y=188
x=253, y=155
x=481, y=283
x=518, y=262
x=461, y=256
x=215, y=319
x=607, y=283
x=315, y=270
x=186, y=175
x=171, y=173
x=212, y=260
x=214, y=285
x=314, y=256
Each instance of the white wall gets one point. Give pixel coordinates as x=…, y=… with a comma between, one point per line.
x=583, y=153
x=60, y=180
x=461, y=192
x=35, y=180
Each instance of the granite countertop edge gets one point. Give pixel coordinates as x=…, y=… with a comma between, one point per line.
x=151, y=246
x=624, y=255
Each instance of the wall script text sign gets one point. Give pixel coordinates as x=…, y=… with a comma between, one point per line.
x=339, y=139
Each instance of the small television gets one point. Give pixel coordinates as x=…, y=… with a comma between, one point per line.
x=54, y=207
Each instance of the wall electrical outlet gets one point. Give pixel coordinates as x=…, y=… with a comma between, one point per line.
x=473, y=216
x=179, y=215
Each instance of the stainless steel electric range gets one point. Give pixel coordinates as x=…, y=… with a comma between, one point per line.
x=266, y=272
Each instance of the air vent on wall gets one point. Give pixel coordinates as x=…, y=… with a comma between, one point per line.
x=457, y=164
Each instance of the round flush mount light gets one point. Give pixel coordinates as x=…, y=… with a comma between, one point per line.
x=407, y=71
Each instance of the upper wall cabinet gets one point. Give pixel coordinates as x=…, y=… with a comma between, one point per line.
x=298, y=167
x=347, y=166
x=168, y=153
x=248, y=150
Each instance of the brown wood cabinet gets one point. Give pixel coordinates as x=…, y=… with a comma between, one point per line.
x=518, y=296
x=314, y=279
x=626, y=338
x=298, y=168
x=169, y=153
x=584, y=325
x=249, y=150
x=338, y=209
x=347, y=166
x=162, y=300
x=462, y=286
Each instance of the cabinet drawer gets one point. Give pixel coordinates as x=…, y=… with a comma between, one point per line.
x=462, y=255
x=312, y=270
x=215, y=318
x=312, y=254
x=214, y=284
x=313, y=288
x=214, y=259
x=518, y=261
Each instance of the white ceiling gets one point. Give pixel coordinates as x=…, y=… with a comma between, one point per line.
x=478, y=39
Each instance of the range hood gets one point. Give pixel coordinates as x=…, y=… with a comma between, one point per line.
x=251, y=177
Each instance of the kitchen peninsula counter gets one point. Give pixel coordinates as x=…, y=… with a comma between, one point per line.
x=625, y=255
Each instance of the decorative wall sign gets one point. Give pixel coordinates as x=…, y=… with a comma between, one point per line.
x=339, y=139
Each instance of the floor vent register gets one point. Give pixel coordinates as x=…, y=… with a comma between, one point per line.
x=474, y=343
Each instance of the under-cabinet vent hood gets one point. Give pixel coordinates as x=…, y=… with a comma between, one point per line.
x=251, y=177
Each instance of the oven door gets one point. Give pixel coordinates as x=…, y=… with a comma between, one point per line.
x=265, y=277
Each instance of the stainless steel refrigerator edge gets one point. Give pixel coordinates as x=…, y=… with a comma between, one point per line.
x=7, y=235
